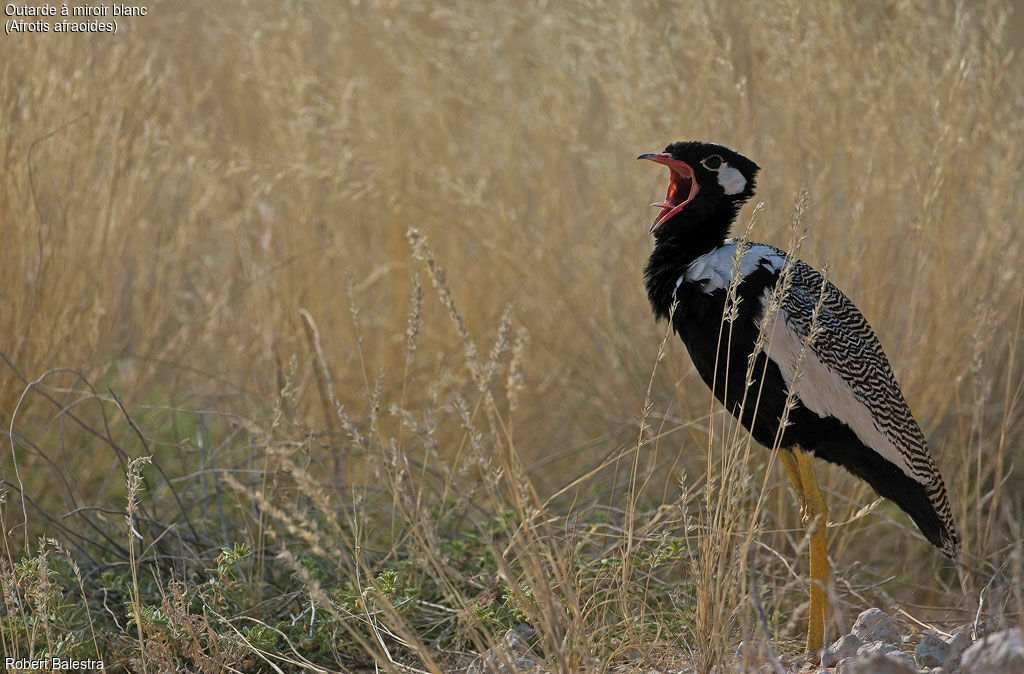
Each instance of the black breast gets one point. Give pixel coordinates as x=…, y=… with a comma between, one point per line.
x=721, y=351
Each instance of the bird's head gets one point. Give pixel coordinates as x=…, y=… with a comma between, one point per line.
x=705, y=180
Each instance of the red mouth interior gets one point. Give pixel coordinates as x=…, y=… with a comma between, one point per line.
x=682, y=187
x=681, y=190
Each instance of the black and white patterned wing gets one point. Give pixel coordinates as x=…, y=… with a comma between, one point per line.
x=845, y=374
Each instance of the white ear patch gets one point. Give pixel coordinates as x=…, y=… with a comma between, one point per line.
x=731, y=180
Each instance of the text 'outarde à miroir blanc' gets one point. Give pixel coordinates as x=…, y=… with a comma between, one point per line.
x=62, y=18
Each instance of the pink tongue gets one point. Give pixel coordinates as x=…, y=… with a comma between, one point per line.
x=665, y=208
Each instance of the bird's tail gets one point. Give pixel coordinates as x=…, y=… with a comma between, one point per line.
x=927, y=504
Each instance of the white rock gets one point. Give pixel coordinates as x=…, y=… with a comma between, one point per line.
x=932, y=651
x=876, y=625
x=999, y=653
x=844, y=647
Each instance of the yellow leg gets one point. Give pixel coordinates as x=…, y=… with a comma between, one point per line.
x=799, y=467
x=789, y=462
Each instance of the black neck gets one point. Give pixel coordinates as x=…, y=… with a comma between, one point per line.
x=679, y=242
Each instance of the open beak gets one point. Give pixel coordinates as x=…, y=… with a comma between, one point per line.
x=682, y=187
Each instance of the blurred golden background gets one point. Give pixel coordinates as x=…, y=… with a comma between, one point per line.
x=172, y=197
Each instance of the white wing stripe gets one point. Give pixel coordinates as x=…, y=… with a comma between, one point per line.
x=715, y=268
x=825, y=392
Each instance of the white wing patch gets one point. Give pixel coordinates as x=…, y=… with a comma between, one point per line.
x=715, y=268
x=824, y=391
x=731, y=180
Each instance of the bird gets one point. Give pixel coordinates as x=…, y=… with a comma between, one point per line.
x=765, y=331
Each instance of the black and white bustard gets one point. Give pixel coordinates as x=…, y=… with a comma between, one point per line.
x=847, y=407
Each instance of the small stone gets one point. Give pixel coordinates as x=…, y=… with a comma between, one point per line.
x=938, y=670
x=906, y=658
x=999, y=653
x=876, y=625
x=932, y=651
x=878, y=648
x=958, y=643
x=844, y=647
x=875, y=663
x=843, y=666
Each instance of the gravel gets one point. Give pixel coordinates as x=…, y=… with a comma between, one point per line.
x=875, y=645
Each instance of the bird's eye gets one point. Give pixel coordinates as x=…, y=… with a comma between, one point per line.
x=714, y=162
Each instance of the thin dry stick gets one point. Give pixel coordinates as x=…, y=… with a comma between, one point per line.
x=159, y=468
x=14, y=458
x=134, y=481
x=324, y=384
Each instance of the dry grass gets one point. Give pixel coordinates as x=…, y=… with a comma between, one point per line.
x=364, y=280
